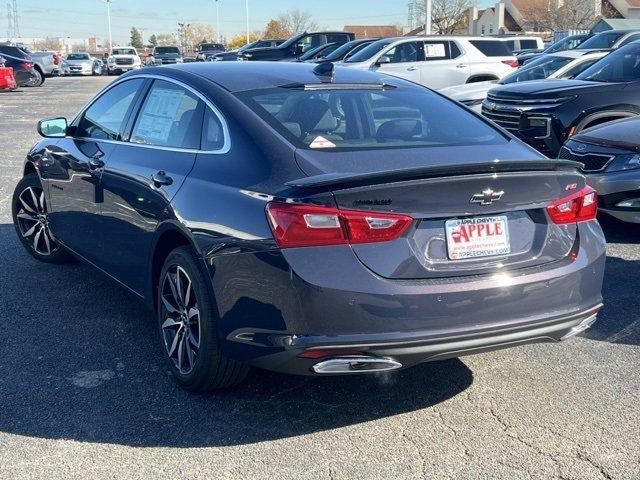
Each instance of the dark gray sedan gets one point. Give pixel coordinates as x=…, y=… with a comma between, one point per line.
x=314, y=221
x=611, y=157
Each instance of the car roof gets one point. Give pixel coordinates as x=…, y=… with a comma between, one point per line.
x=574, y=53
x=622, y=30
x=242, y=76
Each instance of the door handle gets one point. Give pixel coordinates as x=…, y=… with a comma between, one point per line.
x=161, y=179
x=412, y=69
x=461, y=65
x=95, y=163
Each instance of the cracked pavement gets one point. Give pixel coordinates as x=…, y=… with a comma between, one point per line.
x=84, y=394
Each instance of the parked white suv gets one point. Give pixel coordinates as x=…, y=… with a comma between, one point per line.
x=437, y=61
x=123, y=59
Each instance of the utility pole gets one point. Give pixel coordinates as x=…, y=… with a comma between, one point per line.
x=246, y=5
x=108, y=2
x=427, y=23
x=217, y=21
x=10, y=34
x=16, y=27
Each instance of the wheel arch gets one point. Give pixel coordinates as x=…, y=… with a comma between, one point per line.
x=169, y=236
x=482, y=77
x=29, y=168
x=604, y=116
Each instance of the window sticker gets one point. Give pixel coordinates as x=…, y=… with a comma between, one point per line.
x=434, y=50
x=158, y=115
x=321, y=142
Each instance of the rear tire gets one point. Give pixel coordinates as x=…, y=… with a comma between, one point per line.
x=30, y=210
x=188, y=324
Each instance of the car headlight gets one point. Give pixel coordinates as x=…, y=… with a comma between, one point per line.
x=624, y=162
x=179, y=60
x=111, y=61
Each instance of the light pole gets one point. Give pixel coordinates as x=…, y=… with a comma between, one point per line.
x=109, y=22
x=427, y=23
x=246, y=4
x=217, y=21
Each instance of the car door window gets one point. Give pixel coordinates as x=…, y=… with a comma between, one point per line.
x=106, y=117
x=455, y=51
x=337, y=37
x=528, y=44
x=171, y=116
x=436, y=50
x=307, y=42
x=405, y=52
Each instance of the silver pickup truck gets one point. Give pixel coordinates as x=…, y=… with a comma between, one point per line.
x=43, y=62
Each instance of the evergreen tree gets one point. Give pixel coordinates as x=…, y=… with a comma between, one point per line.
x=136, y=38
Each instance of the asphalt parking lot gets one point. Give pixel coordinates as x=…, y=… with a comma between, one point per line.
x=84, y=393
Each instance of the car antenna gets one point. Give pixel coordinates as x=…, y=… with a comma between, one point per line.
x=324, y=71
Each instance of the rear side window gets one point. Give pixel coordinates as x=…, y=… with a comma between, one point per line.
x=212, y=132
x=528, y=44
x=455, y=50
x=601, y=40
x=337, y=37
x=171, y=116
x=105, y=118
x=492, y=48
x=436, y=50
x=337, y=119
x=629, y=39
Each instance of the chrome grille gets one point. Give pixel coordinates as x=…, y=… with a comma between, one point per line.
x=593, y=162
x=508, y=119
x=124, y=61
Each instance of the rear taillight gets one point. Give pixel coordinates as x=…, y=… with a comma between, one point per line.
x=298, y=225
x=512, y=63
x=577, y=207
x=26, y=66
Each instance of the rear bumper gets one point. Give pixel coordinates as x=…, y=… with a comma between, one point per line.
x=275, y=305
x=411, y=351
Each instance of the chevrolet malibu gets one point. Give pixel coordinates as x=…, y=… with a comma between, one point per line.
x=312, y=220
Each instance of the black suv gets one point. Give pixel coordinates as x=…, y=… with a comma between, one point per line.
x=544, y=114
x=22, y=65
x=232, y=55
x=207, y=49
x=296, y=46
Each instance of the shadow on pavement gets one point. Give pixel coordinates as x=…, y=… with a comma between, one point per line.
x=80, y=360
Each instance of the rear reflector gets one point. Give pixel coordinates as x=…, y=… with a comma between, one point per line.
x=328, y=352
x=299, y=225
x=512, y=63
x=577, y=207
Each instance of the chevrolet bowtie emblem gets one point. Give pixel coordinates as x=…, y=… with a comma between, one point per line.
x=487, y=197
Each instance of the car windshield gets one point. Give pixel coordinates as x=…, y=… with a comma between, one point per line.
x=621, y=65
x=342, y=50
x=290, y=41
x=369, y=51
x=537, y=69
x=163, y=50
x=601, y=40
x=319, y=52
x=211, y=46
x=368, y=117
x=123, y=51
x=78, y=56
x=247, y=46
x=567, y=43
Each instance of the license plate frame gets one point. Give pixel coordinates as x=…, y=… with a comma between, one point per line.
x=481, y=237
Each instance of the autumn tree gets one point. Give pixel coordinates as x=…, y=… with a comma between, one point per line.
x=276, y=29
x=297, y=21
x=192, y=34
x=239, y=40
x=136, y=38
x=166, y=39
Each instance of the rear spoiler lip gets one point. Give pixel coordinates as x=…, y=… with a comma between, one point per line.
x=433, y=171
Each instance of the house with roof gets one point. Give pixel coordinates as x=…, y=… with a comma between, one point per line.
x=371, y=31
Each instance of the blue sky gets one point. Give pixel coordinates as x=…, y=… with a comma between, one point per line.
x=80, y=19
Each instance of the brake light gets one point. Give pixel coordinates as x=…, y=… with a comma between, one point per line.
x=26, y=66
x=577, y=207
x=512, y=63
x=299, y=225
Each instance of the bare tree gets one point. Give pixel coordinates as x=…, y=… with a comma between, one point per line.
x=297, y=21
x=572, y=14
x=447, y=16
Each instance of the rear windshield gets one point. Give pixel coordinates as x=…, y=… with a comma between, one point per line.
x=211, y=46
x=373, y=117
x=123, y=51
x=342, y=50
x=78, y=56
x=602, y=40
x=162, y=50
x=368, y=52
x=622, y=65
x=492, y=48
x=537, y=69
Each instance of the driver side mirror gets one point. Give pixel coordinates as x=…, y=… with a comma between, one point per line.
x=53, y=127
x=383, y=60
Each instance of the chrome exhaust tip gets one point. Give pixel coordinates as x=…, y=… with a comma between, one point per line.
x=355, y=364
x=581, y=327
